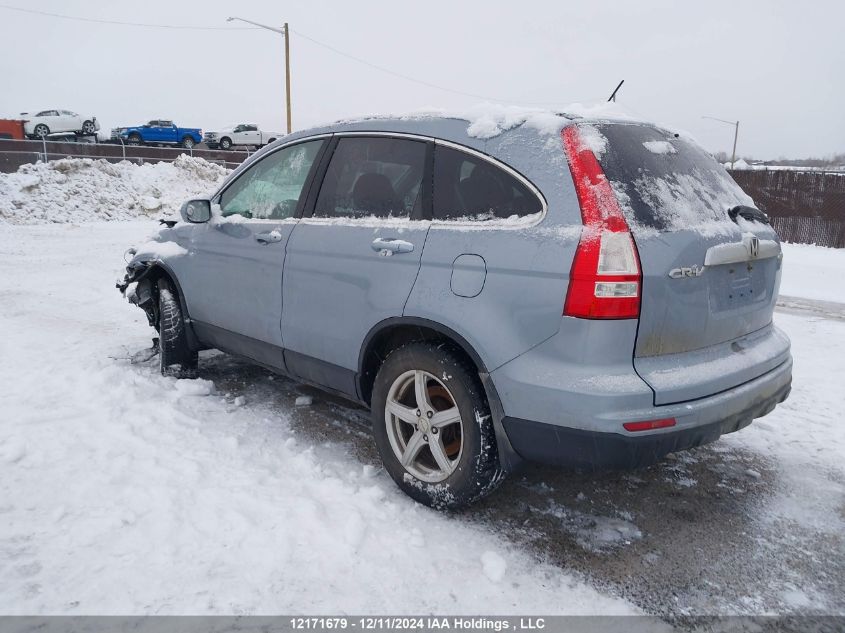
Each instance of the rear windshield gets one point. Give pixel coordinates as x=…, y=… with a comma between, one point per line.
x=662, y=181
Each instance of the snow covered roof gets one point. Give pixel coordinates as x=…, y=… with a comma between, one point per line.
x=487, y=121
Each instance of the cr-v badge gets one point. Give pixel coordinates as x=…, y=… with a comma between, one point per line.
x=686, y=271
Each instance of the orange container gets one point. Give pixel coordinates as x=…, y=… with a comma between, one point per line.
x=12, y=128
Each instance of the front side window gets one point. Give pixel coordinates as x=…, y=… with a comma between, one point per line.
x=271, y=188
x=373, y=176
x=467, y=187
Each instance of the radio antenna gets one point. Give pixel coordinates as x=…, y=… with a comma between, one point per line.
x=613, y=96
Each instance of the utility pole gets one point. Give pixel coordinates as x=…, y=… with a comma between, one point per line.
x=736, y=134
x=284, y=31
x=287, y=77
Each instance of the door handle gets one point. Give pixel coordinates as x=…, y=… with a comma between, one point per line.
x=268, y=236
x=389, y=246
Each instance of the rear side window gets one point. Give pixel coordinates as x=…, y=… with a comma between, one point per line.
x=663, y=181
x=373, y=176
x=470, y=188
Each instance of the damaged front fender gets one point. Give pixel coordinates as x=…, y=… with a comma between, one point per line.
x=138, y=287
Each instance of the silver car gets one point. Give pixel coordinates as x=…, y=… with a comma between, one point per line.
x=585, y=293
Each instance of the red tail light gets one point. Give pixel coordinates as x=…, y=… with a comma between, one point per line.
x=605, y=279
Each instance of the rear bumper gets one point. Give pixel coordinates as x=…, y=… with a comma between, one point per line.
x=698, y=422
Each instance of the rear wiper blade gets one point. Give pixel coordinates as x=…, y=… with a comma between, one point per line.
x=748, y=213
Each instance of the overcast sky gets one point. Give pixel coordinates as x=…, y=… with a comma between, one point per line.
x=778, y=67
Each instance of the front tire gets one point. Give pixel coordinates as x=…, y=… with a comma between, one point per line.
x=41, y=130
x=225, y=143
x=176, y=358
x=134, y=139
x=88, y=128
x=433, y=428
x=188, y=142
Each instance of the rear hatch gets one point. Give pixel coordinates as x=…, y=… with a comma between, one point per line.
x=709, y=283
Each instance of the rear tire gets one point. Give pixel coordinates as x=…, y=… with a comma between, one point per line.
x=446, y=457
x=176, y=358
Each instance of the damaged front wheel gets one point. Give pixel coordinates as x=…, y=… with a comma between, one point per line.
x=176, y=358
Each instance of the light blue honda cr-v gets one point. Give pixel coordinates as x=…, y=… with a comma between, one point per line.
x=586, y=293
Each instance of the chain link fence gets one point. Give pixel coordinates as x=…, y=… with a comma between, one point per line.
x=806, y=207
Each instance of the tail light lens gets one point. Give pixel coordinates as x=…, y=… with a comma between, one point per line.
x=605, y=280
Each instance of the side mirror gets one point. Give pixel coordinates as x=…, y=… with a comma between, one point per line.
x=196, y=211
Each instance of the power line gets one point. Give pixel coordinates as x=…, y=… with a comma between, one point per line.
x=413, y=79
x=115, y=22
x=298, y=34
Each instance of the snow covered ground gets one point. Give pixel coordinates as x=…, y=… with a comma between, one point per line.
x=125, y=492
x=813, y=272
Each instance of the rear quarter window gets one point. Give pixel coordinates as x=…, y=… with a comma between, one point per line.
x=470, y=188
x=663, y=181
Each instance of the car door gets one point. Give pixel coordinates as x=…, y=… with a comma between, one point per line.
x=232, y=280
x=52, y=120
x=67, y=122
x=236, y=135
x=251, y=135
x=152, y=132
x=169, y=132
x=353, y=263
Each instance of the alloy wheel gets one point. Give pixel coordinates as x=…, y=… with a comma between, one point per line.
x=424, y=426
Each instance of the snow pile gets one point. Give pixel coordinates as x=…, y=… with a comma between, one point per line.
x=487, y=121
x=85, y=190
x=739, y=164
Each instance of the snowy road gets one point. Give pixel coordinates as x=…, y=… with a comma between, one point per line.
x=125, y=492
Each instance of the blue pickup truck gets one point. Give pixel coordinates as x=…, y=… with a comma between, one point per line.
x=158, y=132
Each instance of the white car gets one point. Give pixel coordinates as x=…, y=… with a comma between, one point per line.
x=241, y=134
x=49, y=122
